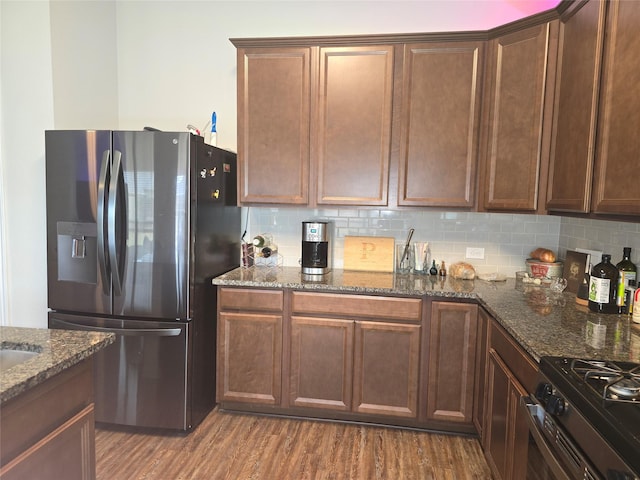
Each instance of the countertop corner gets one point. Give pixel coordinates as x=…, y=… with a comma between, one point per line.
x=57, y=351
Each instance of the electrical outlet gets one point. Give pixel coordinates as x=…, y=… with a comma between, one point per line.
x=475, y=252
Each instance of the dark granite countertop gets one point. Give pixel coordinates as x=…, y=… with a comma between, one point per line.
x=543, y=322
x=57, y=351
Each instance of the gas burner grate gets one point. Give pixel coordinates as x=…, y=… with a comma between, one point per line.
x=614, y=382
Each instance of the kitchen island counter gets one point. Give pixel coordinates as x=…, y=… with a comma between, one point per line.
x=57, y=351
x=543, y=322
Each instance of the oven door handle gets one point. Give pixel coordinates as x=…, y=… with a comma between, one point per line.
x=532, y=409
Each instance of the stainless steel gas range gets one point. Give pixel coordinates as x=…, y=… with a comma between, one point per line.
x=584, y=420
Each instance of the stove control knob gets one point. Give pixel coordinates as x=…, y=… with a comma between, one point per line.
x=543, y=392
x=556, y=405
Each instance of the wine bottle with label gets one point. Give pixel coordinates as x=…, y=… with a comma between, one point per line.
x=627, y=271
x=603, y=286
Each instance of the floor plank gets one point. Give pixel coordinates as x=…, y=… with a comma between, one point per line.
x=232, y=446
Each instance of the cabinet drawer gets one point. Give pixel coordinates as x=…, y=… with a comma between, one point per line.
x=250, y=299
x=518, y=361
x=362, y=306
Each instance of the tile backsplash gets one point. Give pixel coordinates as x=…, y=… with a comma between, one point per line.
x=506, y=239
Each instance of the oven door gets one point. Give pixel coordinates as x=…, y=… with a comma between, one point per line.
x=552, y=455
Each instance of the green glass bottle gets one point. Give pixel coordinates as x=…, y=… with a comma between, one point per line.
x=627, y=272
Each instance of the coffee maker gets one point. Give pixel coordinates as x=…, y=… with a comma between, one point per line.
x=316, y=257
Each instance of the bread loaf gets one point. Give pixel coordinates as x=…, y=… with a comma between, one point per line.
x=462, y=270
x=544, y=255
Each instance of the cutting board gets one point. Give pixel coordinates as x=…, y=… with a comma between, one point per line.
x=371, y=254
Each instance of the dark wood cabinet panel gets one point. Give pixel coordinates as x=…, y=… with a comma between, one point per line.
x=249, y=358
x=254, y=299
x=495, y=438
x=274, y=98
x=480, y=380
x=321, y=367
x=519, y=96
x=452, y=361
x=354, y=125
x=386, y=369
x=67, y=452
x=574, y=124
x=367, y=306
x=615, y=189
x=440, y=124
x=507, y=434
x=48, y=431
x=511, y=373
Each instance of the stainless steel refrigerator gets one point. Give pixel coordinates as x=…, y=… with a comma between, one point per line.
x=138, y=223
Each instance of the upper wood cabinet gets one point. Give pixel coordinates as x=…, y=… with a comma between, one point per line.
x=575, y=110
x=442, y=86
x=517, y=118
x=316, y=117
x=354, y=125
x=274, y=94
x=597, y=111
x=615, y=187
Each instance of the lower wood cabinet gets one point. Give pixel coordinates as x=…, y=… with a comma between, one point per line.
x=48, y=432
x=452, y=361
x=368, y=367
x=321, y=372
x=405, y=361
x=511, y=373
x=249, y=347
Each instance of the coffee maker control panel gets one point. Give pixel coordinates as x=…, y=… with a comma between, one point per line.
x=314, y=232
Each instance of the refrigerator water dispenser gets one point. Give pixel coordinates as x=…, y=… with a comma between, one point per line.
x=77, y=250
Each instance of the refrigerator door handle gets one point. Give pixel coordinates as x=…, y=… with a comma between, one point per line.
x=112, y=217
x=130, y=332
x=105, y=171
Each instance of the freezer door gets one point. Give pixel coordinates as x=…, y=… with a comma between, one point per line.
x=153, y=211
x=141, y=379
x=77, y=173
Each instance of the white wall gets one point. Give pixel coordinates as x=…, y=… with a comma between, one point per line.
x=84, y=64
x=176, y=64
x=27, y=110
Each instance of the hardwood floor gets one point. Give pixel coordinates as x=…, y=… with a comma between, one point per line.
x=236, y=446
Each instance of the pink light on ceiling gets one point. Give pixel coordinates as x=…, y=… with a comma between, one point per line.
x=529, y=7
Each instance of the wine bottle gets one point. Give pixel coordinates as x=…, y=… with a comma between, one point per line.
x=627, y=272
x=603, y=286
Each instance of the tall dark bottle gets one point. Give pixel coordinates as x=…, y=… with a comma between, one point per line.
x=627, y=270
x=603, y=286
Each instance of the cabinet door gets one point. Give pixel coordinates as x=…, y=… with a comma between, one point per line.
x=354, y=125
x=515, y=156
x=517, y=434
x=618, y=145
x=439, y=124
x=321, y=363
x=495, y=437
x=480, y=371
x=506, y=435
x=249, y=358
x=386, y=368
x=452, y=357
x=67, y=452
x=575, y=110
x=273, y=124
